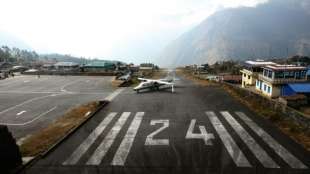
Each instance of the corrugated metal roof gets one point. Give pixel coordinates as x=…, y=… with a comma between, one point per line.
x=66, y=64
x=99, y=64
x=300, y=87
x=285, y=67
x=259, y=63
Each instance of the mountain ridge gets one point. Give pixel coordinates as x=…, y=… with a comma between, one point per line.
x=273, y=29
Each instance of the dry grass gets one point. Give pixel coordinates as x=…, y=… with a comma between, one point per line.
x=197, y=81
x=305, y=110
x=117, y=83
x=158, y=74
x=44, y=139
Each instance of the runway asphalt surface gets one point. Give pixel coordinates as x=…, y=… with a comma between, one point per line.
x=29, y=103
x=194, y=130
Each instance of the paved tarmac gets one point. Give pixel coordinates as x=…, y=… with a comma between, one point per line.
x=29, y=103
x=194, y=130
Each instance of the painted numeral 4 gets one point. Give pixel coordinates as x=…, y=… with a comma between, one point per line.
x=202, y=135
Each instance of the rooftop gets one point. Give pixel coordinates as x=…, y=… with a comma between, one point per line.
x=99, y=64
x=66, y=64
x=285, y=67
x=259, y=63
x=300, y=87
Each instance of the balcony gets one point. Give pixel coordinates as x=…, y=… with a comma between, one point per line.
x=246, y=71
x=280, y=81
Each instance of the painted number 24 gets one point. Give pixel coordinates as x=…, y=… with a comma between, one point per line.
x=204, y=135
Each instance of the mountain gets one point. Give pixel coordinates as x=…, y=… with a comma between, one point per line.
x=62, y=58
x=277, y=28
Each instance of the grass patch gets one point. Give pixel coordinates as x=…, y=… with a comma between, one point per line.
x=158, y=74
x=44, y=139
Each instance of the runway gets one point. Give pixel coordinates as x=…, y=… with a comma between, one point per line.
x=194, y=130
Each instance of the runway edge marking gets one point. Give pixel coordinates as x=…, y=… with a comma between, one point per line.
x=114, y=94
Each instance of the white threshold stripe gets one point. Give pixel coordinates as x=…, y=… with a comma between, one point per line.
x=82, y=148
x=259, y=153
x=107, y=142
x=232, y=148
x=125, y=146
x=290, y=159
x=114, y=94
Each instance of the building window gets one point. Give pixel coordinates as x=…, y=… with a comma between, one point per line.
x=249, y=77
x=279, y=75
x=257, y=83
x=265, y=87
x=303, y=74
x=270, y=74
x=244, y=75
x=269, y=90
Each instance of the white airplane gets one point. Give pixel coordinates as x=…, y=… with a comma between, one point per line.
x=153, y=84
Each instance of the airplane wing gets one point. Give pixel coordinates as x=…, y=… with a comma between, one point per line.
x=164, y=82
x=144, y=80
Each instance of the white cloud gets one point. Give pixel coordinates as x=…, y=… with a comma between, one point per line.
x=95, y=27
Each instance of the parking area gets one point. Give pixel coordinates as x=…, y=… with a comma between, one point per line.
x=29, y=103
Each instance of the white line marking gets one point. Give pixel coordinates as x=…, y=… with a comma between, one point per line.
x=232, y=148
x=21, y=112
x=68, y=84
x=28, y=122
x=107, y=142
x=27, y=101
x=259, y=153
x=114, y=94
x=124, y=149
x=78, y=152
x=290, y=159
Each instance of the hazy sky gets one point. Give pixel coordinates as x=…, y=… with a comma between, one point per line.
x=130, y=30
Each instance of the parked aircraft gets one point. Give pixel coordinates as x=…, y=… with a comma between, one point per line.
x=153, y=84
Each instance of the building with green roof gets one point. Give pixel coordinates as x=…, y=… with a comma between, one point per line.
x=99, y=66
